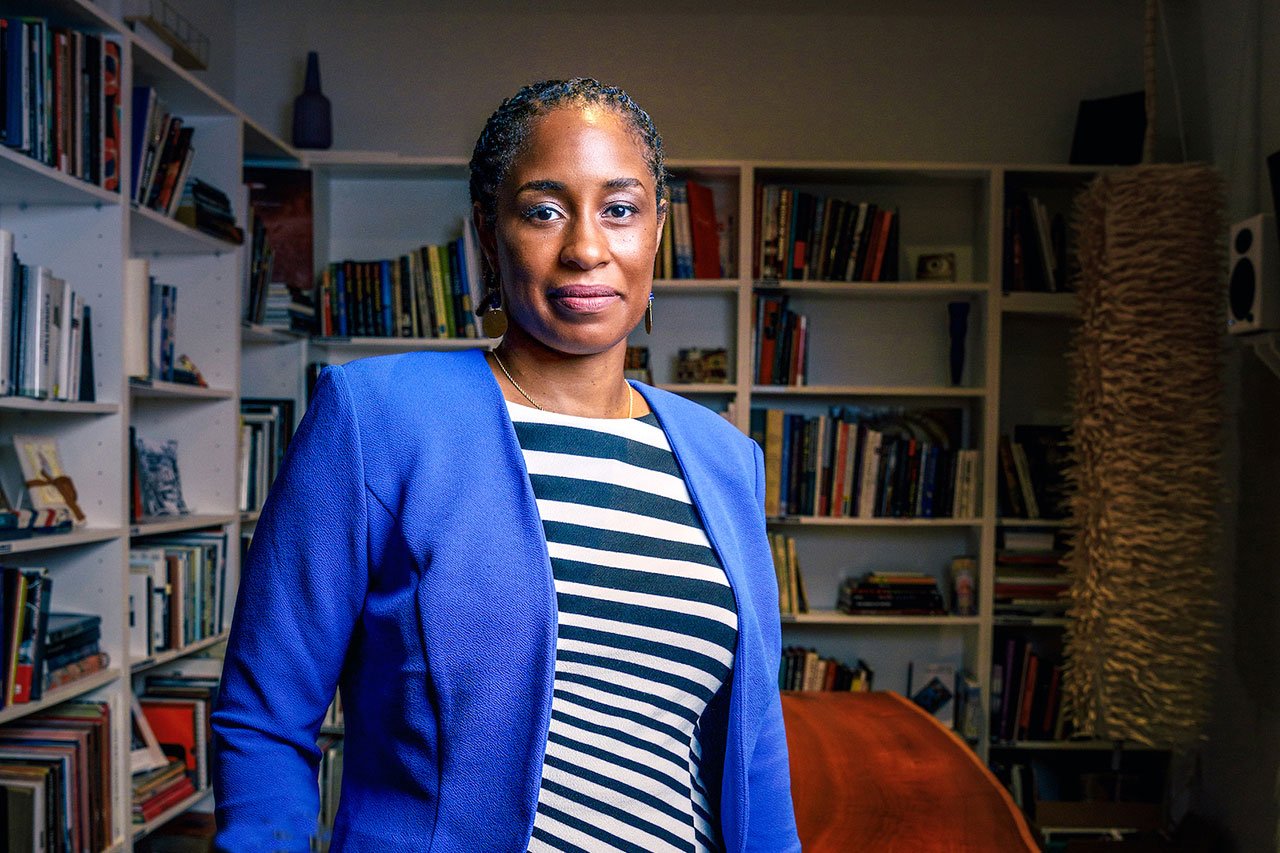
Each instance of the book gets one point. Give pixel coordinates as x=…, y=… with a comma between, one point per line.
x=159, y=482
x=49, y=487
x=704, y=234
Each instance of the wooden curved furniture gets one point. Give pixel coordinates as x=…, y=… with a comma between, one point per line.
x=875, y=772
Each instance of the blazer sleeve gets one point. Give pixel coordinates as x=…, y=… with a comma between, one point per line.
x=771, y=819
x=301, y=591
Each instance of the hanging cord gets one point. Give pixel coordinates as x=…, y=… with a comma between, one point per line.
x=1173, y=79
x=1149, y=74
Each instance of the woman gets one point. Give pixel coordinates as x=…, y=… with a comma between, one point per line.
x=545, y=594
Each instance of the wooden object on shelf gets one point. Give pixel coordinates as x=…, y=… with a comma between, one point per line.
x=873, y=771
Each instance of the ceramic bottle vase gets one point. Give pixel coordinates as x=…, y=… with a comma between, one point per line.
x=312, y=118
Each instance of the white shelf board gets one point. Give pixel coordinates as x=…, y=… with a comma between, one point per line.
x=178, y=524
x=877, y=289
x=722, y=388
x=939, y=391
x=253, y=333
x=30, y=182
x=153, y=233
x=405, y=344
x=141, y=830
x=177, y=654
x=1008, y=521
x=176, y=390
x=77, y=14
x=835, y=617
x=841, y=521
x=1030, y=622
x=57, y=695
x=1040, y=304
x=53, y=541
x=250, y=517
x=696, y=285
x=57, y=407
x=363, y=165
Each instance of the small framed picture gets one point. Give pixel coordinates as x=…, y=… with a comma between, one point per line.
x=145, y=753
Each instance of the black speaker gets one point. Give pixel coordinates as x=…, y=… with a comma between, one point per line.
x=1253, y=289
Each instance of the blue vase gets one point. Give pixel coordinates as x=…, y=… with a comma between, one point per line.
x=312, y=117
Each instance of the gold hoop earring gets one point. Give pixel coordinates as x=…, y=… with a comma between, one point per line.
x=648, y=316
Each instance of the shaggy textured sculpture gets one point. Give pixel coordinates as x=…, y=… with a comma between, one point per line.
x=1148, y=425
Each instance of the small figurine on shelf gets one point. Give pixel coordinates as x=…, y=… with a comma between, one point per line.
x=187, y=373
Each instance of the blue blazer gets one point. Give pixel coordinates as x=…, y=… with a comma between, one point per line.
x=400, y=557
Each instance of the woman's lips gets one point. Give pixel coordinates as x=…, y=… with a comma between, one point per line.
x=583, y=298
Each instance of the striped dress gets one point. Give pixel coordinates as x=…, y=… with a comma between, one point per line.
x=646, y=633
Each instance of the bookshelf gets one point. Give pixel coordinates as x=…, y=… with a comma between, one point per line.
x=873, y=343
x=85, y=234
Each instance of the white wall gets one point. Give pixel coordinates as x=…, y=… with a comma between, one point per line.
x=928, y=79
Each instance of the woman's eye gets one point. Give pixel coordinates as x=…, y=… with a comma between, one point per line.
x=619, y=211
x=541, y=213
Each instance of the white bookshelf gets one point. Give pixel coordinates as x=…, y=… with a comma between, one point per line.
x=85, y=234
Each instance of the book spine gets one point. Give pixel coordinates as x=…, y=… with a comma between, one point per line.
x=439, y=302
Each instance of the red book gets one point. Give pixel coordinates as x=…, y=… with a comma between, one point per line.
x=884, y=221
x=706, y=236
x=1028, y=695
x=173, y=724
x=166, y=799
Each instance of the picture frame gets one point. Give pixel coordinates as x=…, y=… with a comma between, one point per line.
x=48, y=485
x=146, y=753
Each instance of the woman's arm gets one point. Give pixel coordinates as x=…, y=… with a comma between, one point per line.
x=771, y=819
x=301, y=591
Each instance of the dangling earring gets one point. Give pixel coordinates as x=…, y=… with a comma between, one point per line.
x=648, y=316
x=493, y=320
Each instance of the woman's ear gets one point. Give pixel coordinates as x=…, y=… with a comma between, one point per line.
x=663, y=207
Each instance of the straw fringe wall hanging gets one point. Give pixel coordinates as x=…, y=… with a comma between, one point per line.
x=1148, y=422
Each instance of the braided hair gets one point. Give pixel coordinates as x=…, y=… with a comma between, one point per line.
x=508, y=128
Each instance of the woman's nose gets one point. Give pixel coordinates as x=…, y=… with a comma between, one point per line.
x=586, y=246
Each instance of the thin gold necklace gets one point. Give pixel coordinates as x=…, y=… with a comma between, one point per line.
x=631, y=392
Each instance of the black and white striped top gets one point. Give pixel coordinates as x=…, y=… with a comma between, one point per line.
x=647, y=629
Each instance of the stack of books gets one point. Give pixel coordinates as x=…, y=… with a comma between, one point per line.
x=46, y=349
x=72, y=648
x=892, y=593
x=207, y=208
x=162, y=153
x=793, y=598
x=867, y=463
x=57, y=777
x=430, y=292
x=1031, y=582
x=1035, y=246
x=266, y=425
x=177, y=588
x=157, y=791
x=782, y=342
x=60, y=91
x=691, y=245
x=805, y=669
x=1026, y=693
x=1033, y=472
x=801, y=235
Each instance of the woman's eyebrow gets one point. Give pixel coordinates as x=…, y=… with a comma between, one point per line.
x=558, y=186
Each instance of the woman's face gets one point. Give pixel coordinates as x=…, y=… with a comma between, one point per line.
x=576, y=231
